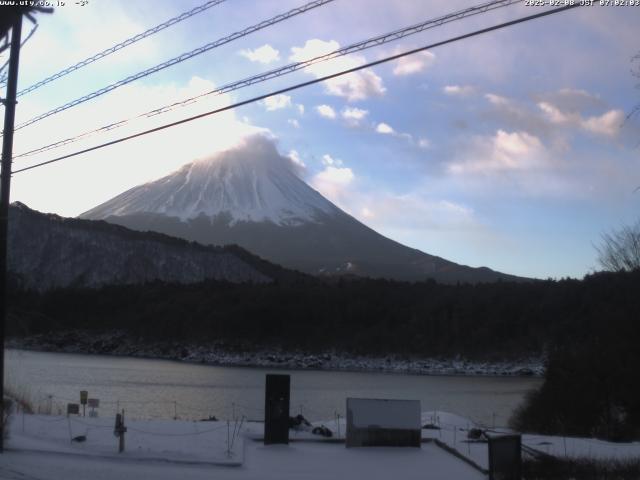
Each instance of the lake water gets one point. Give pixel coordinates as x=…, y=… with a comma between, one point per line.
x=161, y=389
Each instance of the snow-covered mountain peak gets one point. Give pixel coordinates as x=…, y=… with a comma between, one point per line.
x=251, y=182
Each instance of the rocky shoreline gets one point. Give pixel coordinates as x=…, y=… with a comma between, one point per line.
x=219, y=354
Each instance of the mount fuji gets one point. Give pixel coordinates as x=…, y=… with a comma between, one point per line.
x=252, y=196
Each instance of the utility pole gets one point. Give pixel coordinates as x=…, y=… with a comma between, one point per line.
x=5, y=186
x=11, y=19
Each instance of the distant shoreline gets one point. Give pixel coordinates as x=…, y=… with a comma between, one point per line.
x=120, y=345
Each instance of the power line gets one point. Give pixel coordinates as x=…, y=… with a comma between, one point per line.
x=304, y=84
x=181, y=58
x=123, y=44
x=293, y=67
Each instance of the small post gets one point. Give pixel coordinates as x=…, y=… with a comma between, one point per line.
x=120, y=430
x=84, y=396
x=175, y=410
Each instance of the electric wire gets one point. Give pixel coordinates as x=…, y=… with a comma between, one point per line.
x=129, y=41
x=180, y=58
x=290, y=68
x=304, y=84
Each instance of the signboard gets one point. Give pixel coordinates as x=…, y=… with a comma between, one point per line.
x=73, y=409
x=378, y=423
x=276, y=409
x=84, y=395
x=505, y=457
x=93, y=402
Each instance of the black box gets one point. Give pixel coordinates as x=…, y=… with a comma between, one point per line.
x=276, y=409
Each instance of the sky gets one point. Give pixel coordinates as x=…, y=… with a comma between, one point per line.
x=510, y=150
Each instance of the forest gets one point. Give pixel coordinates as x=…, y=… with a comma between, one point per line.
x=588, y=330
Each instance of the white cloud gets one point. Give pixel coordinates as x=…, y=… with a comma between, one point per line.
x=334, y=182
x=326, y=111
x=354, y=86
x=459, y=90
x=299, y=165
x=502, y=152
x=353, y=114
x=607, y=124
x=390, y=211
x=328, y=160
x=497, y=99
x=384, y=128
x=294, y=123
x=424, y=143
x=276, y=102
x=300, y=108
x=413, y=63
x=554, y=115
x=264, y=54
x=144, y=159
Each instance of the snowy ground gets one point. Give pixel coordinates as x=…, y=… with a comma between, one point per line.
x=198, y=450
x=453, y=432
x=39, y=448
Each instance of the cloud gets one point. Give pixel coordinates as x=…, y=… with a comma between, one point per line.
x=326, y=111
x=276, y=102
x=571, y=100
x=264, y=54
x=498, y=100
x=608, y=124
x=397, y=211
x=354, y=86
x=300, y=108
x=353, y=115
x=293, y=122
x=143, y=159
x=459, y=90
x=568, y=108
x=424, y=143
x=413, y=63
x=502, y=152
x=328, y=160
x=299, y=166
x=385, y=129
x=334, y=182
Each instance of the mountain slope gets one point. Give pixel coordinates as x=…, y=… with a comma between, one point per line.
x=251, y=196
x=47, y=251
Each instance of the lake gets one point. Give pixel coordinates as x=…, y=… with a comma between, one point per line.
x=148, y=388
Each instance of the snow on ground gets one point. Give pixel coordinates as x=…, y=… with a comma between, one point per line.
x=297, y=461
x=179, y=441
x=454, y=428
x=197, y=450
x=39, y=448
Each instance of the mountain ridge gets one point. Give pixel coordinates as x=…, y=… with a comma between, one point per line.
x=47, y=251
x=252, y=197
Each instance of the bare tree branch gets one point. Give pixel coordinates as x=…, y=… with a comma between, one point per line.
x=620, y=249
